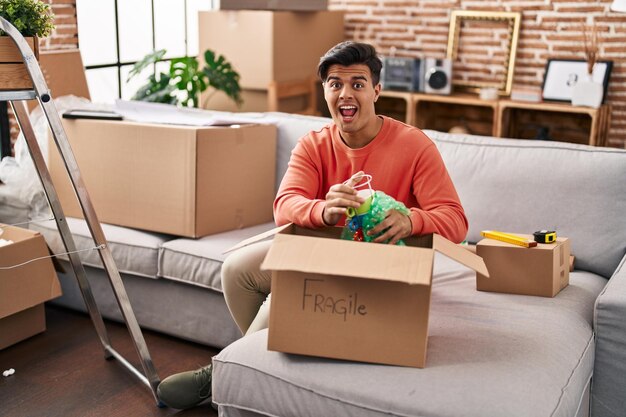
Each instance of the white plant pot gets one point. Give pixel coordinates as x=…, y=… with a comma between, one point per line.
x=587, y=93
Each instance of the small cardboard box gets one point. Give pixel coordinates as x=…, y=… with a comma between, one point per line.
x=296, y=5
x=353, y=300
x=182, y=180
x=265, y=46
x=541, y=270
x=24, y=289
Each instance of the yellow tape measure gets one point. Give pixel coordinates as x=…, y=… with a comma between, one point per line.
x=509, y=238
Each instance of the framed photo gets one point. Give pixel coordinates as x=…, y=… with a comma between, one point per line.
x=561, y=76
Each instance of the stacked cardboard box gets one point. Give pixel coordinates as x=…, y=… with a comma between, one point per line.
x=296, y=5
x=24, y=285
x=266, y=46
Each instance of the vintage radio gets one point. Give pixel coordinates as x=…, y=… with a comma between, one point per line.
x=402, y=74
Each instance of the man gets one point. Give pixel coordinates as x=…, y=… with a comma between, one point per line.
x=319, y=186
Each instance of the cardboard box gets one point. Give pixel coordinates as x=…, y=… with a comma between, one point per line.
x=265, y=46
x=297, y=5
x=182, y=180
x=353, y=300
x=542, y=270
x=64, y=73
x=253, y=101
x=24, y=289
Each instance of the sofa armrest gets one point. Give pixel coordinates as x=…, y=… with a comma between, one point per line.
x=609, y=375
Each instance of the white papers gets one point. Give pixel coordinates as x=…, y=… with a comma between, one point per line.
x=144, y=112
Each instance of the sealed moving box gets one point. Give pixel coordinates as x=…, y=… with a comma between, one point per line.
x=181, y=180
x=541, y=270
x=353, y=300
x=23, y=289
x=266, y=46
x=299, y=5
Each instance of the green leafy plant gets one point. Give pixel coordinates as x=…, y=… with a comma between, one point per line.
x=186, y=80
x=30, y=17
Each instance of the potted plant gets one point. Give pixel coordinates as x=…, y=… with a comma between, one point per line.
x=33, y=19
x=185, y=80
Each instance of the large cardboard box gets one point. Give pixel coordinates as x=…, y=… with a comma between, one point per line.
x=23, y=289
x=182, y=180
x=298, y=5
x=541, y=270
x=353, y=300
x=266, y=46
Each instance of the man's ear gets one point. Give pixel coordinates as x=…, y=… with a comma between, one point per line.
x=377, y=89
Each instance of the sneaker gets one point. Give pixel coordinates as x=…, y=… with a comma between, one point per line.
x=186, y=389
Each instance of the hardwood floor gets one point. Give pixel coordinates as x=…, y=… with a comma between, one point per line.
x=62, y=372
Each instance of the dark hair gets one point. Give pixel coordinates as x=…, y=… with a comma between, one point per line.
x=351, y=53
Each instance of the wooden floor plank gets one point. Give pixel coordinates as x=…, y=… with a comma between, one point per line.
x=62, y=372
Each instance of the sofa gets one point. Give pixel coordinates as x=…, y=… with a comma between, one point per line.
x=488, y=354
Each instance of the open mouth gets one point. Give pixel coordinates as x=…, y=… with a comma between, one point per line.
x=347, y=111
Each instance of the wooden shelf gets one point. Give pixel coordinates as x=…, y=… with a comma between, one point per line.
x=558, y=121
x=500, y=118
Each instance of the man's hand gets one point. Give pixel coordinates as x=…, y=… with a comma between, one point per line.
x=340, y=197
x=396, y=226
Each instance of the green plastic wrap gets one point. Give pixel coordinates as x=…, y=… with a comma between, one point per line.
x=358, y=226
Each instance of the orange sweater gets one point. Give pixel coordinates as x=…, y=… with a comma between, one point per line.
x=404, y=163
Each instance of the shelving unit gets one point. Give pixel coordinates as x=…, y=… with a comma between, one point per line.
x=558, y=121
x=500, y=118
x=396, y=104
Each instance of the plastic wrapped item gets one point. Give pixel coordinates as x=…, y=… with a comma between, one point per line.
x=373, y=211
x=19, y=174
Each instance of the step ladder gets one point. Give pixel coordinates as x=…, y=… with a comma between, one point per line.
x=40, y=92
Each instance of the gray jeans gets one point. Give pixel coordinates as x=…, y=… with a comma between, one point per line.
x=247, y=288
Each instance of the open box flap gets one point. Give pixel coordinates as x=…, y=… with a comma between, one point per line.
x=259, y=237
x=348, y=258
x=459, y=254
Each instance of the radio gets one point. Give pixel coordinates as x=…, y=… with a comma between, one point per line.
x=438, y=76
x=403, y=74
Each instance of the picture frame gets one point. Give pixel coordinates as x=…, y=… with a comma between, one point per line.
x=561, y=75
x=472, y=20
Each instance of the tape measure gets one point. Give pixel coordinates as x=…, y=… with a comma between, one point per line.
x=509, y=238
x=545, y=236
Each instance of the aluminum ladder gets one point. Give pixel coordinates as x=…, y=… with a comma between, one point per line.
x=40, y=92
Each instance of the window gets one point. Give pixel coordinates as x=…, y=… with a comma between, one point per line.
x=115, y=34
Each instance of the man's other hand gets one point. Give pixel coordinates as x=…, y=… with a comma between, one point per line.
x=396, y=226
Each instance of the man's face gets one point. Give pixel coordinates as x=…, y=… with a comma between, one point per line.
x=350, y=95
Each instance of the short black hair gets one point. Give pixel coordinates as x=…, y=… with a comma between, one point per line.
x=351, y=53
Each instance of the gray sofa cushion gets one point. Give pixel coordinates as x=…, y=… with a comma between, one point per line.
x=199, y=261
x=134, y=251
x=488, y=355
x=524, y=186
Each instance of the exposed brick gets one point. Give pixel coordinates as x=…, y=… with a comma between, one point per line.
x=65, y=20
x=580, y=9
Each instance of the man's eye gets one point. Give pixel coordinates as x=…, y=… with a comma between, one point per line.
x=358, y=85
x=334, y=85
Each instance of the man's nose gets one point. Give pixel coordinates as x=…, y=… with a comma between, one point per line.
x=346, y=92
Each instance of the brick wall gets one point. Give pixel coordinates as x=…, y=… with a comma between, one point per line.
x=550, y=29
x=65, y=36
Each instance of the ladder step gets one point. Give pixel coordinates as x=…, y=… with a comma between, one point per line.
x=16, y=95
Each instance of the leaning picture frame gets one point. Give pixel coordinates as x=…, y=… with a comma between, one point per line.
x=561, y=75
